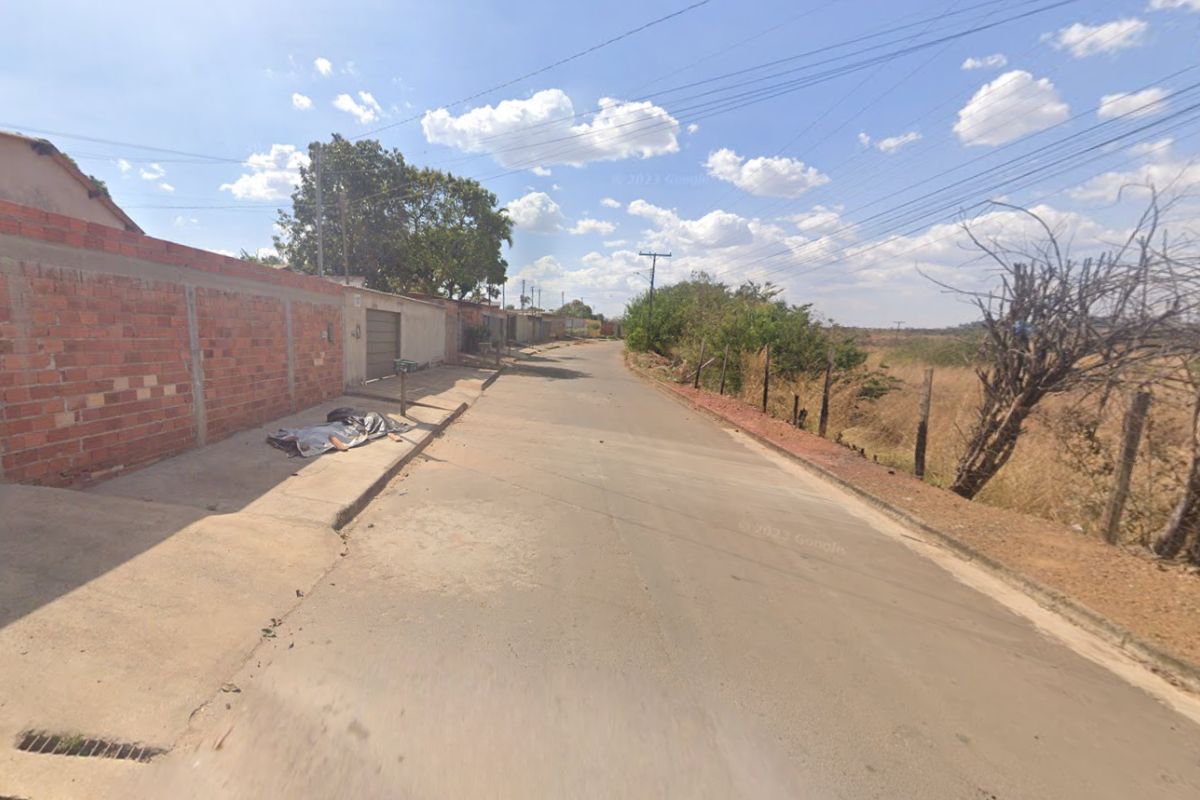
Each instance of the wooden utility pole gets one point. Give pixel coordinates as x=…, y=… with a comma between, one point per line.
x=766, y=377
x=522, y=294
x=699, y=366
x=923, y=424
x=823, y=422
x=1131, y=439
x=320, y=218
x=342, y=203
x=403, y=394
x=724, y=363
x=654, y=257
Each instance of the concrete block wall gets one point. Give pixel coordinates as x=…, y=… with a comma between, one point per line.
x=118, y=349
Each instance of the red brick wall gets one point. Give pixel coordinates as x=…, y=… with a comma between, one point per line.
x=319, y=361
x=95, y=367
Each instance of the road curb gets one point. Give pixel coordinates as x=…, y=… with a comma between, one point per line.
x=492, y=378
x=1169, y=666
x=352, y=509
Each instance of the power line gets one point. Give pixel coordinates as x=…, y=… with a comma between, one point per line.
x=548, y=67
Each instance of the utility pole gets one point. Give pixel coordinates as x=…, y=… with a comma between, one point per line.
x=320, y=219
x=654, y=257
x=899, y=324
x=539, y=297
x=522, y=294
x=562, y=299
x=345, y=248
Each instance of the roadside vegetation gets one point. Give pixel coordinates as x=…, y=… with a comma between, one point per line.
x=1031, y=405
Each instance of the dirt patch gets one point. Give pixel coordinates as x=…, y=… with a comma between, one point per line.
x=1158, y=602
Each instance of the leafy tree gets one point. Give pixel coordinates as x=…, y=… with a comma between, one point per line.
x=577, y=308
x=271, y=260
x=402, y=228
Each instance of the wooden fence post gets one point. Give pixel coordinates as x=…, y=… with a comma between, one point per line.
x=923, y=424
x=699, y=366
x=1135, y=423
x=403, y=394
x=795, y=409
x=823, y=422
x=724, y=363
x=766, y=377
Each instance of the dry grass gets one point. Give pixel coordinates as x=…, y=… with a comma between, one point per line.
x=1057, y=472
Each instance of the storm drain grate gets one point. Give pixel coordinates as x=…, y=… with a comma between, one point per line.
x=54, y=744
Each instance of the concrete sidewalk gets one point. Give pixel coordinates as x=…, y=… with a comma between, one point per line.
x=125, y=607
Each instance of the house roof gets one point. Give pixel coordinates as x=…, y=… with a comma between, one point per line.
x=44, y=147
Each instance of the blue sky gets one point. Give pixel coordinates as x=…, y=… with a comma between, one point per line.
x=818, y=189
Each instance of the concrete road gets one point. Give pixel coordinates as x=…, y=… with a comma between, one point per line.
x=587, y=590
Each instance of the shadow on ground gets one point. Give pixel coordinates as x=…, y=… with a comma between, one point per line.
x=554, y=373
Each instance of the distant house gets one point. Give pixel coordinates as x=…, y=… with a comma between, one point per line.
x=36, y=174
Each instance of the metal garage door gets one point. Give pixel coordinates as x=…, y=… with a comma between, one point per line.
x=383, y=343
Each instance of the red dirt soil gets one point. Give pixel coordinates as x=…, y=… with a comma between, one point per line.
x=1157, y=602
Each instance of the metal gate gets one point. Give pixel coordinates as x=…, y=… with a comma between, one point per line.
x=383, y=343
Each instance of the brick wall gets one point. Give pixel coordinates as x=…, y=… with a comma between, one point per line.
x=96, y=367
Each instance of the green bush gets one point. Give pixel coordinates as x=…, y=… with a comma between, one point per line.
x=746, y=319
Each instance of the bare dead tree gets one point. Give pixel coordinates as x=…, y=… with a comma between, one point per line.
x=1055, y=323
x=1185, y=518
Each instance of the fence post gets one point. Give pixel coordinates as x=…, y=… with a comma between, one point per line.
x=823, y=422
x=923, y=424
x=766, y=377
x=795, y=409
x=1135, y=423
x=724, y=363
x=699, y=366
x=403, y=394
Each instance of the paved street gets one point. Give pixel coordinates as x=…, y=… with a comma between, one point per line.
x=585, y=589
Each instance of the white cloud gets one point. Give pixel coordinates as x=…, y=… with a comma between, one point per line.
x=819, y=220
x=541, y=171
x=538, y=131
x=864, y=139
x=1082, y=40
x=301, y=102
x=775, y=176
x=1163, y=170
x=1011, y=106
x=166, y=187
x=586, y=226
x=535, y=212
x=1135, y=104
x=893, y=143
x=692, y=127
x=366, y=111
x=152, y=172
x=1156, y=148
x=323, y=66
x=609, y=202
x=615, y=242
x=994, y=61
x=124, y=166
x=272, y=176
x=185, y=222
x=715, y=229
x=1163, y=5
